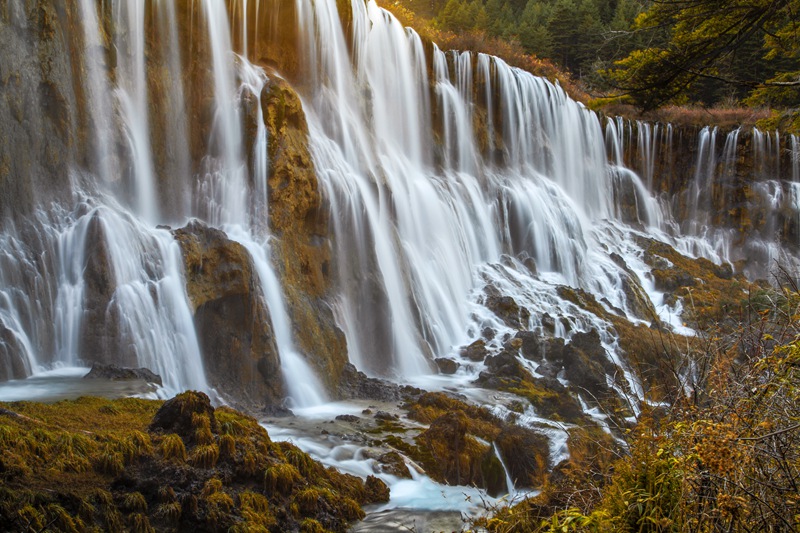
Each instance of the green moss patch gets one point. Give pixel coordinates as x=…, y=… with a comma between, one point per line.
x=111, y=465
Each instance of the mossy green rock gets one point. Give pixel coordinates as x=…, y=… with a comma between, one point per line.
x=117, y=465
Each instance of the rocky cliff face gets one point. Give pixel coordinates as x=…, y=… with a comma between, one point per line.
x=741, y=181
x=54, y=67
x=39, y=104
x=300, y=220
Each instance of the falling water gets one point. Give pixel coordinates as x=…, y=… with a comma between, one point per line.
x=131, y=92
x=446, y=174
x=419, y=223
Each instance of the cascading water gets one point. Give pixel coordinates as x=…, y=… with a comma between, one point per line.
x=139, y=297
x=449, y=179
x=447, y=176
x=423, y=221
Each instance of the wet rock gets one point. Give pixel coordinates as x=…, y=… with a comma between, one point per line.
x=506, y=308
x=506, y=365
x=583, y=371
x=476, y=351
x=394, y=464
x=376, y=490
x=526, y=455
x=356, y=385
x=548, y=324
x=639, y=303
x=116, y=373
x=535, y=347
x=446, y=366
x=670, y=279
x=299, y=221
x=249, y=105
x=100, y=340
x=457, y=455
x=590, y=344
x=488, y=333
x=724, y=271
x=348, y=418
x=232, y=320
x=549, y=369
x=11, y=355
x=275, y=411
x=626, y=198
x=383, y=415
x=530, y=264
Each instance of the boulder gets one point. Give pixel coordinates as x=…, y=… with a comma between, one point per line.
x=232, y=320
x=100, y=327
x=458, y=458
x=183, y=414
x=476, y=351
x=394, y=464
x=356, y=385
x=536, y=347
x=526, y=455
x=507, y=309
x=11, y=355
x=446, y=366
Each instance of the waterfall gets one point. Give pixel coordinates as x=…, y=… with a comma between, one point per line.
x=509, y=482
x=446, y=176
x=131, y=92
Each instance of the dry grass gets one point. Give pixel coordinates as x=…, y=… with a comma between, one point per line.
x=722, y=117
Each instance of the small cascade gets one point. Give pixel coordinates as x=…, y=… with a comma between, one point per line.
x=305, y=389
x=648, y=140
x=509, y=482
x=98, y=90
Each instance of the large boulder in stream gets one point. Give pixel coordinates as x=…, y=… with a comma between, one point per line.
x=455, y=447
x=232, y=320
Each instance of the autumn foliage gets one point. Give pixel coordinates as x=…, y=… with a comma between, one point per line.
x=723, y=456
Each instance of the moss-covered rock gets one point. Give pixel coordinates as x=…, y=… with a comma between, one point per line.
x=456, y=447
x=94, y=464
x=299, y=220
x=506, y=308
x=710, y=293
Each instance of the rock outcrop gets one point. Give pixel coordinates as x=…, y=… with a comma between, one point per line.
x=38, y=106
x=232, y=320
x=299, y=220
x=116, y=373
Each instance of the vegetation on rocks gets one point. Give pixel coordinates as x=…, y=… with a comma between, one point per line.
x=720, y=455
x=138, y=465
x=457, y=446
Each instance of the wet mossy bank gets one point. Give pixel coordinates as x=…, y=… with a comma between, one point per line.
x=94, y=464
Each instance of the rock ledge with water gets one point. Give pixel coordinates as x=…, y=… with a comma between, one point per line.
x=116, y=373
